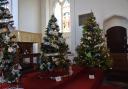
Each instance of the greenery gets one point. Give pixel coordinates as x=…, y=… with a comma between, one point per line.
x=9, y=71
x=54, y=48
x=92, y=50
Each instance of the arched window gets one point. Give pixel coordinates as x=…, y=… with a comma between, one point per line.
x=58, y=14
x=62, y=13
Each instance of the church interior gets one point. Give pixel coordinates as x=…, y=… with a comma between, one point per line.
x=63, y=44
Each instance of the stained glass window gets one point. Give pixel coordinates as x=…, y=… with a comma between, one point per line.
x=62, y=13
x=58, y=14
x=66, y=16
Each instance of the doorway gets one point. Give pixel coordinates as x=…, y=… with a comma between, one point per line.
x=117, y=44
x=117, y=39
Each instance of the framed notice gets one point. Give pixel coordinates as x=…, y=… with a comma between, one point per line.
x=83, y=18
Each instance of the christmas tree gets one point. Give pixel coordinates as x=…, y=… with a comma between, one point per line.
x=92, y=50
x=9, y=71
x=54, y=49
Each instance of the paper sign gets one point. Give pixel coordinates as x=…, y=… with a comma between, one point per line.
x=91, y=77
x=58, y=78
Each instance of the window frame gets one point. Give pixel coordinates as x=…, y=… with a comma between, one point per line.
x=62, y=15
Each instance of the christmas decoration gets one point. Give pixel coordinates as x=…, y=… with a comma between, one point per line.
x=92, y=50
x=54, y=49
x=8, y=71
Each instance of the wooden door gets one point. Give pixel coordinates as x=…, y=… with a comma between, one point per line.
x=117, y=43
x=117, y=39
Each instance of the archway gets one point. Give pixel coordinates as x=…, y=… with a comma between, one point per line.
x=116, y=38
x=116, y=26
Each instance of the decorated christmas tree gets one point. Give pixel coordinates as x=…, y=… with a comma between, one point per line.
x=54, y=48
x=92, y=50
x=9, y=69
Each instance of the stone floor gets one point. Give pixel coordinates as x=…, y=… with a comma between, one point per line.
x=121, y=84
x=117, y=78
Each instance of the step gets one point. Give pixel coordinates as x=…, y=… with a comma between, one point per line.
x=110, y=87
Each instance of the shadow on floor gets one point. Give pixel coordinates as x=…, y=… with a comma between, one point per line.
x=121, y=84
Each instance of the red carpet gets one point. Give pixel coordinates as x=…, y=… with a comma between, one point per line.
x=34, y=80
x=79, y=80
x=83, y=82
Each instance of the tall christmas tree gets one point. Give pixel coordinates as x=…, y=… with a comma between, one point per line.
x=92, y=50
x=54, y=49
x=9, y=70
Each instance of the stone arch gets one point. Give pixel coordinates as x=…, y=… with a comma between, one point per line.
x=115, y=20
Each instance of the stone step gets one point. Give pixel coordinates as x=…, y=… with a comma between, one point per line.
x=110, y=87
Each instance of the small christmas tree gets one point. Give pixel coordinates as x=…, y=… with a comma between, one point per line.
x=54, y=49
x=92, y=50
x=9, y=71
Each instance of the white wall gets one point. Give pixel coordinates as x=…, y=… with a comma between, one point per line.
x=103, y=9
x=34, y=14
x=45, y=15
x=30, y=15
x=115, y=7
x=14, y=9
